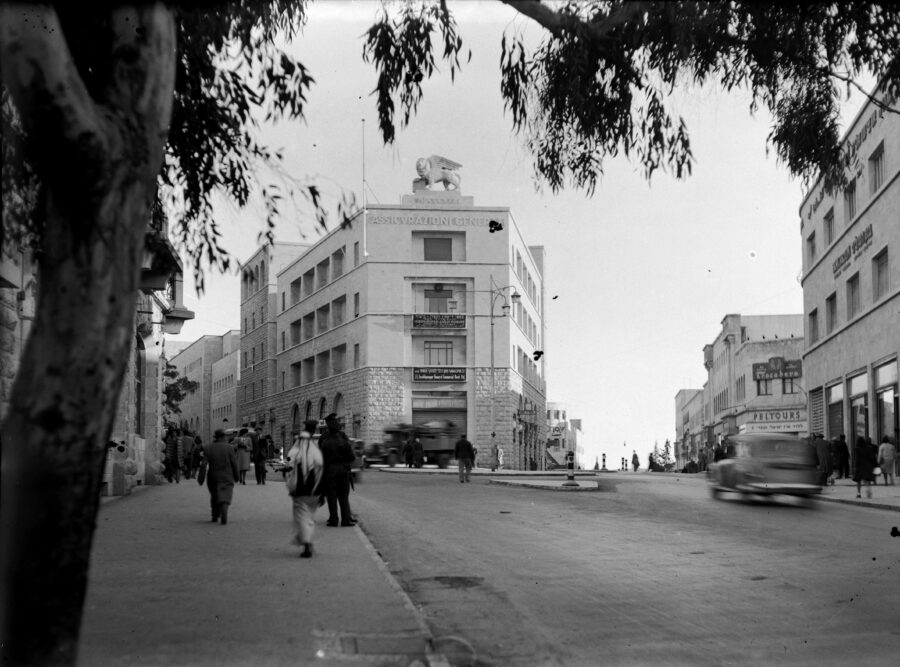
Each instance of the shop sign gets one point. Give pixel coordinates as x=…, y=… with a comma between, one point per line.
x=778, y=367
x=854, y=249
x=438, y=321
x=557, y=431
x=777, y=415
x=439, y=374
x=777, y=427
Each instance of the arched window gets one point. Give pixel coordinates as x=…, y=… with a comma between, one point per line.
x=295, y=419
x=323, y=408
x=339, y=407
x=262, y=272
x=308, y=410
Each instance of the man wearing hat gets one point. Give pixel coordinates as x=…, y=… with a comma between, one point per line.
x=221, y=475
x=337, y=455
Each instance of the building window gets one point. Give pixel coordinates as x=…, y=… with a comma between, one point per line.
x=813, y=323
x=438, y=250
x=283, y=339
x=356, y=304
x=831, y=313
x=852, y=296
x=876, y=168
x=880, y=276
x=811, y=248
x=763, y=387
x=828, y=227
x=337, y=263
x=356, y=355
x=850, y=202
x=436, y=300
x=282, y=300
x=438, y=353
x=789, y=386
x=356, y=254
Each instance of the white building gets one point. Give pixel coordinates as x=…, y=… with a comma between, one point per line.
x=851, y=290
x=428, y=310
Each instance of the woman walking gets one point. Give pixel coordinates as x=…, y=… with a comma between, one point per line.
x=243, y=445
x=865, y=466
x=303, y=479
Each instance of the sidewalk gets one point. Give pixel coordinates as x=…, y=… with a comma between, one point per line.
x=843, y=491
x=168, y=587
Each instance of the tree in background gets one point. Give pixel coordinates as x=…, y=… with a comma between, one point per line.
x=175, y=390
x=111, y=107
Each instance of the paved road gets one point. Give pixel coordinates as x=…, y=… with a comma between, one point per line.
x=653, y=573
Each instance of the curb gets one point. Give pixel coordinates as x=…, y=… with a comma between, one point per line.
x=435, y=659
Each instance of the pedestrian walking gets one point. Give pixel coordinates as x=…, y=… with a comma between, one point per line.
x=187, y=452
x=221, y=473
x=887, y=453
x=337, y=455
x=407, y=452
x=865, y=466
x=243, y=448
x=260, y=451
x=303, y=478
x=174, y=455
x=823, y=453
x=464, y=453
x=418, y=453
x=196, y=456
x=495, y=457
x=635, y=461
x=842, y=457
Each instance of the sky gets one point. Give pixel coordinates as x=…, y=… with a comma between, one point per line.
x=644, y=272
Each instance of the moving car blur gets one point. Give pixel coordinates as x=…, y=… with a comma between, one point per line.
x=765, y=464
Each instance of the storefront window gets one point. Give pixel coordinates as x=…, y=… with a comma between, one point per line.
x=857, y=385
x=835, y=398
x=886, y=400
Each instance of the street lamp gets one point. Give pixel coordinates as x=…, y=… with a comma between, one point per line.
x=497, y=293
x=515, y=297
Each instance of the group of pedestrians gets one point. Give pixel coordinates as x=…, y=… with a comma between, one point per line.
x=183, y=454
x=413, y=452
x=834, y=461
x=317, y=473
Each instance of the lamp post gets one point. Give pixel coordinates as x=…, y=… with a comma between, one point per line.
x=497, y=293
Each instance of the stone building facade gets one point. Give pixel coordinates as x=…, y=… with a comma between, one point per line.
x=197, y=362
x=851, y=290
x=391, y=318
x=257, y=382
x=754, y=384
x=137, y=426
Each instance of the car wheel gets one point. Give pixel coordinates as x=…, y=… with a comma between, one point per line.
x=714, y=492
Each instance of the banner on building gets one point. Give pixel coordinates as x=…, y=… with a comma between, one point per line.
x=439, y=374
x=777, y=368
x=438, y=321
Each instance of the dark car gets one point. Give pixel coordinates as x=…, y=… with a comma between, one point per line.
x=765, y=464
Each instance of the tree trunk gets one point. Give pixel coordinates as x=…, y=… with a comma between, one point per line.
x=99, y=165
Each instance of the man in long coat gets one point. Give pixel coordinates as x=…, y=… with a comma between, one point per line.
x=221, y=474
x=337, y=455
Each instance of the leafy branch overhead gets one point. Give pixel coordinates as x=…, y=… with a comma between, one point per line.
x=598, y=83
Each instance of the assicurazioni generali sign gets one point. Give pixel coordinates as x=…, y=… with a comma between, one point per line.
x=860, y=243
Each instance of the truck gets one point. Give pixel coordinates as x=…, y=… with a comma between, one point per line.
x=438, y=440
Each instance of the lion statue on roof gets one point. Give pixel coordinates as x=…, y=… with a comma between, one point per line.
x=437, y=169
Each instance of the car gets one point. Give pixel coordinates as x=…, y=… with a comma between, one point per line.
x=765, y=464
x=356, y=467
